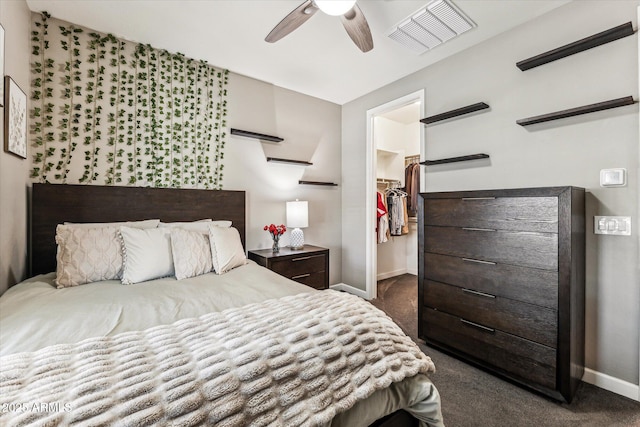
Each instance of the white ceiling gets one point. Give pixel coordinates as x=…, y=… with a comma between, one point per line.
x=317, y=59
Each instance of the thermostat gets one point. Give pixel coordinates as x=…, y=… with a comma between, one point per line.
x=613, y=177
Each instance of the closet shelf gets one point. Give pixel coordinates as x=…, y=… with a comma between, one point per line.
x=290, y=161
x=256, y=135
x=387, y=152
x=454, y=113
x=604, y=37
x=614, y=103
x=330, y=184
x=455, y=159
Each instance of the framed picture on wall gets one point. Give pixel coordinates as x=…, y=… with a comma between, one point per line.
x=15, y=119
x=1, y=64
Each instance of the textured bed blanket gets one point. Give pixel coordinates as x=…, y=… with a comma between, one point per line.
x=293, y=361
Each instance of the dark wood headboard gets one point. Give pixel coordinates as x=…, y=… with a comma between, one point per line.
x=53, y=204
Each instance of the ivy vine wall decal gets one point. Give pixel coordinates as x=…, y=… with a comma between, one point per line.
x=113, y=112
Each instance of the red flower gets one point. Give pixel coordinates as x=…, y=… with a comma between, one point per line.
x=275, y=230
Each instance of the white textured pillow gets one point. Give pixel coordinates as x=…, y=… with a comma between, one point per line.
x=201, y=226
x=226, y=249
x=147, y=223
x=146, y=254
x=191, y=253
x=87, y=255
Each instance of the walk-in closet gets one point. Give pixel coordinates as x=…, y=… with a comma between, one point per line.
x=397, y=143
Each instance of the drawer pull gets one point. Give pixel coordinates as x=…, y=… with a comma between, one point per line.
x=478, y=261
x=467, y=199
x=477, y=229
x=305, y=257
x=478, y=293
x=476, y=325
x=301, y=276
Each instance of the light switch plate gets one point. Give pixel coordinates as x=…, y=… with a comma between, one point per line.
x=613, y=177
x=616, y=225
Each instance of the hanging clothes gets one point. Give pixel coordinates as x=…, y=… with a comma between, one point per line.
x=396, y=204
x=412, y=186
x=383, y=219
x=405, y=226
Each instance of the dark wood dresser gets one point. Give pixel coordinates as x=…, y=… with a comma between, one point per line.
x=501, y=282
x=309, y=265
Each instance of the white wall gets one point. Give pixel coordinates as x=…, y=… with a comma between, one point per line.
x=311, y=131
x=15, y=18
x=567, y=152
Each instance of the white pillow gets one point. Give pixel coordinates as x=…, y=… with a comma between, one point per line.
x=146, y=254
x=201, y=226
x=191, y=253
x=87, y=255
x=147, y=223
x=226, y=249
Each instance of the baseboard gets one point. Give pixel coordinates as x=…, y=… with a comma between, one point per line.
x=350, y=289
x=386, y=275
x=613, y=384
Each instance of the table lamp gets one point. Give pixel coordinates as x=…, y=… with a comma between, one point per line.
x=297, y=218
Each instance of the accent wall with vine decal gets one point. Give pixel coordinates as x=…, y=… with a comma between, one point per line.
x=114, y=112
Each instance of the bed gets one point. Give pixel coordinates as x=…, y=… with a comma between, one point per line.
x=54, y=342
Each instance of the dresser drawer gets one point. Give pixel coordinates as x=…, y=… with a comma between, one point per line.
x=297, y=265
x=538, y=250
x=514, y=356
x=502, y=213
x=525, y=284
x=518, y=318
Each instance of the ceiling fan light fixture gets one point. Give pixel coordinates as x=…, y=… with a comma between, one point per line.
x=335, y=7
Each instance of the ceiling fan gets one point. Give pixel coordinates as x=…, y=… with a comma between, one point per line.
x=350, y=14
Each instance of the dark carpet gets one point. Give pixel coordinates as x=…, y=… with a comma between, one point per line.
x=472, y=397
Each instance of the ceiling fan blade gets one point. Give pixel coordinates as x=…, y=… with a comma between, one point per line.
x=356, y=25
x=292, y=21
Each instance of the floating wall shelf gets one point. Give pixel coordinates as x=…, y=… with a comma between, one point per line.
x=256, y=135
x=330, y=184
x=607, y=36
x=614, y=103
x=293, y=162
x=454, y=113
x=455, y=159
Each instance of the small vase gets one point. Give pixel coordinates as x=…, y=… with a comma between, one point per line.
x=276, y=245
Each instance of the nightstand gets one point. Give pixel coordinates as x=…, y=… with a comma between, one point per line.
x=309, y=265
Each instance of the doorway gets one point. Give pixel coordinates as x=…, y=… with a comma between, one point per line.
x=395, y=138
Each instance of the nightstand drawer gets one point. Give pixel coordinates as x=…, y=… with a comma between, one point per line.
x=315, y=280
x=298, y=265
x=309, y=265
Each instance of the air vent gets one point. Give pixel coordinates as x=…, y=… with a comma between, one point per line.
x=431, y=26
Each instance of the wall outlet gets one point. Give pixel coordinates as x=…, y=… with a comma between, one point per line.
x=616, y=225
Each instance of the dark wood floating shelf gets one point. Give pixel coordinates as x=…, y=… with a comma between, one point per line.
x=293, y=162
x=614, y=103
x=455, y=159
x=330, y=184
x=607, y=36
x=256, y=135
x=454, y=113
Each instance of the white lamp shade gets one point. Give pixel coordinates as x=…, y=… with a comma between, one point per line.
x=297, y=214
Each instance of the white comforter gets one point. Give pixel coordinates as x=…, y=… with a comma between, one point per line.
x=35, y=315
